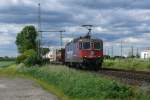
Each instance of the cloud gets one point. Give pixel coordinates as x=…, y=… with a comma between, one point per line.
x=114, y=20
x=5, y=40
x=8, y=33
x=110, y=4
x=131, y=40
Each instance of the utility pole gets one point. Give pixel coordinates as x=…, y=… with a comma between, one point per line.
x=112, y=51
x=108, y=51
x=132, y=51
x=137, y=52
x=39, y=29
x=121, y=48
x=61, y=37
x=105, y=50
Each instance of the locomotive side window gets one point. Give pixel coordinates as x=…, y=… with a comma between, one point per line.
x=71, y=47
x=97, y=45
x=80, y=45
x=86, y=45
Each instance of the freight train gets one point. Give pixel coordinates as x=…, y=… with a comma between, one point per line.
x=83, y=52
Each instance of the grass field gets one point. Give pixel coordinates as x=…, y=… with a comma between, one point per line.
x=6, y=63
x=69, y=84
x=128, y=64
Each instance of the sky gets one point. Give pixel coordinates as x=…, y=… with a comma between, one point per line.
x=114, y=21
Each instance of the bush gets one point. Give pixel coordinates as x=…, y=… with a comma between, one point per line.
x=29, y=58
x=32, y=58
x=20, y=59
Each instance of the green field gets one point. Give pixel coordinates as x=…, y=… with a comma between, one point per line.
x=70, y=84
x=6, y=63
x=128, y=64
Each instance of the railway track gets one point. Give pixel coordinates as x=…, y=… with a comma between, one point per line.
x=128, y=76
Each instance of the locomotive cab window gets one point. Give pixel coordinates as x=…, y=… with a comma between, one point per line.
x=80, y=45
x=86, y=45
x=97, y=45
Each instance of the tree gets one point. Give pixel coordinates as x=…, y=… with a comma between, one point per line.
x=26, y=39
x=27, y=46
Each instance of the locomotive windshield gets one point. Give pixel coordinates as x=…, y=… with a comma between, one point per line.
x=97, y=45
x=86, y=45
x=90, y=45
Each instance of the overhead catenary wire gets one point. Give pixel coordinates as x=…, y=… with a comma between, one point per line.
x=61, y=35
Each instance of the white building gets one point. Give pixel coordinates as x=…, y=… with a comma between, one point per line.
x=145, y=54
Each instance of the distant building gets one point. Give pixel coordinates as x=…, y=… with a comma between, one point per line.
x=145, y=54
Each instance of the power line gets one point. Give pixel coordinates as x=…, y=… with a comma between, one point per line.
x=61, y=35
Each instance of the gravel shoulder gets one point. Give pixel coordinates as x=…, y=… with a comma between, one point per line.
x=22, y=89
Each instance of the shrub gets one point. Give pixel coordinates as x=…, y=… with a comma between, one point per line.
x=20, y=59
x=29, y=58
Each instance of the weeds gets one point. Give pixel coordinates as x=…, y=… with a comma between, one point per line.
x=76, y=85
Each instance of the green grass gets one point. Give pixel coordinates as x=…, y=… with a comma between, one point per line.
x=69, y=84
x=6, y=63
x=128, y=64
x=79, y=84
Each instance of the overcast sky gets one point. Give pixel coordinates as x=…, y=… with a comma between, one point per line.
x=114, y=20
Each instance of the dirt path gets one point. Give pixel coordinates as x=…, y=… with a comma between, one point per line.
x=22, y=89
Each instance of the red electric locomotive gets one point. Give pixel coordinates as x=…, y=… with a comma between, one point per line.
x=84, y=52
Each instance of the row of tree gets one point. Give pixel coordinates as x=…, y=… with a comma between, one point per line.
x=6, y=58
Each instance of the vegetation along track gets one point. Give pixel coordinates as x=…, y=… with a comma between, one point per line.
x=128, y=76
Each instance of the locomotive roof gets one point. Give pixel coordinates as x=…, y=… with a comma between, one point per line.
x=85, y=38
